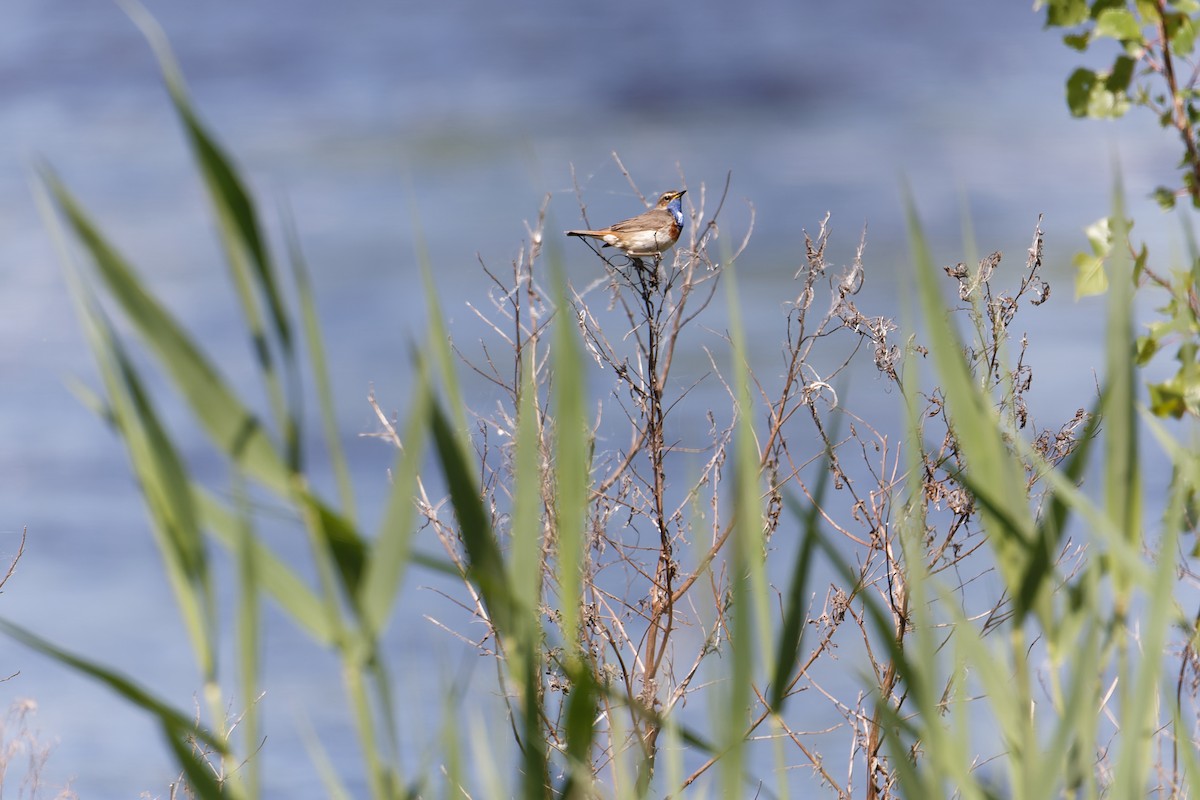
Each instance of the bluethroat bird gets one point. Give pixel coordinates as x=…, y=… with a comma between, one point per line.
x=648, y=234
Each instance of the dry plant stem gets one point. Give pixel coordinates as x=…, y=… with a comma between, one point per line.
x=657, y=310
x=800, y=347
x=877, y=775
x=12, y=564
x=1179, y=114
x=662, y=601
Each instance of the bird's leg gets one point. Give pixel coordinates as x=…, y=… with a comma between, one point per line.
x=647, y=275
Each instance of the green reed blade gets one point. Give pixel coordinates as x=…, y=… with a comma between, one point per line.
x=391, y=550
x=331, y=782
x=527, y=520
x=237, y=221
x=154, y=459
x=485, y=565
x=170, y=718
x=272, y=575
x=342, y=541
x=248, y=635
x=233, y=428
x=315, y=346
x=996, y=477
x=795, y=615
x=1118, y=404
x=745, y=564
x=167, y=491
x=202, y=782
x=524, y=575
x=571, y=481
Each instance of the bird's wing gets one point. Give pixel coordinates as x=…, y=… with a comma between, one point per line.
x=651, y=220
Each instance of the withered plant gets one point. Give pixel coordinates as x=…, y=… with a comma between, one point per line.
x=656, y=591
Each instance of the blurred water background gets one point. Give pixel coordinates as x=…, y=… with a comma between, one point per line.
x=374, y=120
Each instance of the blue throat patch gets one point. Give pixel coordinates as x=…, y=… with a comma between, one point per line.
x=676, y=209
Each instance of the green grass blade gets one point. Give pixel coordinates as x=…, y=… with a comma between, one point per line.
x=170, y=718
x=485, y=565
x=314, y=343
x=233, y=201
x=331, y=783
x=233, y=428
x=1067, y=758
x=1143, y=695
x=245, y=247
x=248, y=633
x=160, y=473
x=443, y=355
x=391, y=551
x=745, y=562
x=580, y=729
x=167, y=491
x=791, y=632
x=525, y=577
x=525, y=554
x=341, y=540
x=202, y=782
x=272, y=575
x=1118, y=402
x=572, y=486
x=996, y=478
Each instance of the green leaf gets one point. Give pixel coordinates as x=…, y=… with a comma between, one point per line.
x=1090, y=277
x=1100, y=95
x=1147, y=10
x=154, y=458
x=1078, y=41
x=1118, y=23
x=235, y=211
x=580, y=727
x=1182, y=32
x=1065, y=13
x=1167, y=398
x=1146, y=348
x=167, y=491
x=182, y=732
x=1079, y=91
x=1099, y=235
x=1120, y=76
x=1165, y=198
x=526, y=541
x=1100, y=6
x=1139, y=265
